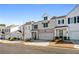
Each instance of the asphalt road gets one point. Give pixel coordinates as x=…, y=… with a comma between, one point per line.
x=23, y=49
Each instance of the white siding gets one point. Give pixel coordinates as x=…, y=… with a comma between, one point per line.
x=73, y=28
x=63, y=18
x=27, y=31
x=14, y=32
x=74, y=12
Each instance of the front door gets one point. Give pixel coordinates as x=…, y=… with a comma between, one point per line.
x=61, y=34
x=34, y=35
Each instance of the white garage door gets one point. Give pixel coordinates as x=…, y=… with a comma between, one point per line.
x=46, y=36
x=74, y=35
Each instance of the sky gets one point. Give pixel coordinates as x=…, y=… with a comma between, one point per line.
x=21, y=13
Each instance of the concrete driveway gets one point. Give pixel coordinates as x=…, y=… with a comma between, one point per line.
x=18, y=48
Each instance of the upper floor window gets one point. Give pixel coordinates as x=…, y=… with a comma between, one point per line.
x=74, y=19
x=58, y=21
x=3, y=30
x=45, y=18
x=63, y=21
x=77, y=19
x=8, y=30
x=68, y=20
x=35, y=26
x=45, y=24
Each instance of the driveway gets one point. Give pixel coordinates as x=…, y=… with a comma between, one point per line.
x=18, y=48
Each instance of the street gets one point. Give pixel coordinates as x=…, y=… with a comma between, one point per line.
x=18, y=48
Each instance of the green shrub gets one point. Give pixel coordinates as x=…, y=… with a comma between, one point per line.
x=12, y=39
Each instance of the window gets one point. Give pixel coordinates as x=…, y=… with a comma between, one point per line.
x=58, y=21
x=45, y=18
x=7, y=30
x=35, y=26
x=28, y=27
x=77, y=19
x=74, y=19
x=63, y=21
x=2, y=30
x=68, y=20
x=45, y=24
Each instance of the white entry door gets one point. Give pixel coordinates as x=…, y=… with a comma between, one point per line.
x=60, y=32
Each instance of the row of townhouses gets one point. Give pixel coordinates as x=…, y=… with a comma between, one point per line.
x=66, y=27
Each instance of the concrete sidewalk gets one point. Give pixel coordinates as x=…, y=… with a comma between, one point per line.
x=37, y=43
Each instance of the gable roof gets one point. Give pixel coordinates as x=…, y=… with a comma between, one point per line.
x=56, y=17
x=73, y=9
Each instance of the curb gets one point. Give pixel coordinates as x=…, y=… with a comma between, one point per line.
x=36, y=43
x=6, y=41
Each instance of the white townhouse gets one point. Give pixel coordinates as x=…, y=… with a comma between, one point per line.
x=44, y=29
x=61, y=27
x=26, y=30
x=67, y=27
x=72, y=19
x=14, y=31
x=2, y=31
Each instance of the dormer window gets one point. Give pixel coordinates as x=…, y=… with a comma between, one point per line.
x=45, y=18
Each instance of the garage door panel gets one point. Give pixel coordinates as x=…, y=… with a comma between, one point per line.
x=46, y=36
x=74, y=35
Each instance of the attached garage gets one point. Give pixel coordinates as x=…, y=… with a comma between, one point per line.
x=74, y=35
x=46, y=34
